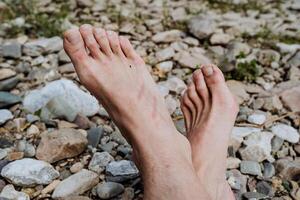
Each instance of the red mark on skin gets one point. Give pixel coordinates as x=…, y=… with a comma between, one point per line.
x=141, y=92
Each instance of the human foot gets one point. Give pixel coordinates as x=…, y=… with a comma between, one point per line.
x=210, y=110
x=114, y=73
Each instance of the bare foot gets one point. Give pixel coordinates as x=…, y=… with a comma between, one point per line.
x=210, y=110
x=113, y=72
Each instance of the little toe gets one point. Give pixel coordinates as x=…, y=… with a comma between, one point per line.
x=74, y=46
x=101, y=37
x=114, y=43
x=86, y=31
x=201, y=86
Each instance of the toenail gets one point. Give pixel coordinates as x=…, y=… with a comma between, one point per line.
x=73, y=37
x=207, y=70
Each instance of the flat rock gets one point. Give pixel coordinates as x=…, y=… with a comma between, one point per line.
x=99, y=161
x=11, y=50
x=201, y=26
x=8, y=99
x=118, y=171
x=238, y=89
x=9, y=83
x=290, y=98
x=192, y=59
x=165, y=54
x=250, y=167
x=76, y=184
x=286, y=132
x=107, y=190
x=5, y=115
x=76, y=99
x=41, y=46
x=258, y=147
x=94, y=135
x=288, y=169
x=6, y=73
x=175, y=84
x=29, y=172
x=237, y=135
x=9, y=193
x=61, y=144
x=167, y=36
x=257, y=118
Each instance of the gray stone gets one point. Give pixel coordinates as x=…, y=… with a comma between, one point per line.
x=26, y=147
x=9, y=83
x=269, y=170
x=264, y=188
x=94, y=136
x=192, y=59
x=236, y=180
x=202, y=26
x=76, y=99
x=11, y=50
x=29, y=172
x=239, y=90
x=250, y=167
x=76, y=184
x=290, y=98
x=165, y=54
x=3, y=153
x=9, y=193
x=175, y=84
x=5, y=115
x=286, y=132
x=295, y=60
x=99, y=161
x=41, y=46
x=118, y=171
x=254, y=195
x=167, y=36
x=8, y=99
x=108, y=190
x=267, y=56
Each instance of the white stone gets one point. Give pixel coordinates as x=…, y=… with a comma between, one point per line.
x=44, y=45
x=167, y=36
x=232, y=163
x=76, y=184
x=9, y=193
x=237, y=135
x=175, y=84
x=5, y=115
x=29, y=172
x=286, y=132
x=165, y=66
x=165, y=54
x=76, y=99
x=257, y=118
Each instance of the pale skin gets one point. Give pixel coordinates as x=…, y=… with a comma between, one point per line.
x=172, y=166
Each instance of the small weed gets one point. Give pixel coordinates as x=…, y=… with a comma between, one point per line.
x=227, y=6
x=247, y=71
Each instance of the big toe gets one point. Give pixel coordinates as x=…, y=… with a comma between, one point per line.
x=74, y=45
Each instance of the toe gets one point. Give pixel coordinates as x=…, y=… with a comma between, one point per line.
x=86, y=31
x=193, y=96
x=212, y=75
x=186, y=101
x=186, y=112
x=127, y=48
x=201, y=86
x=101, y=37
x=114, y=43
x=74, y=46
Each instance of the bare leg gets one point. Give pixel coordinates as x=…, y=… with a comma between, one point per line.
x=114, y=73
x=210, y=110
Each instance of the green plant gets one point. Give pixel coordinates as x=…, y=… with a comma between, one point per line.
x=247, y=71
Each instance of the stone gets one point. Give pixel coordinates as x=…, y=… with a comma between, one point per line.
x=265, y=188
x=5, y=115
x=192, y=59
x=99, y=161
x=165, y=54
x=8, y=99
x=294, y=61
x=94, y=136
x=49, y=188
x=6, y=73
x=236, y=180
x=220, y=38
x=288, y=169
x=237, y=135
x=269, y=170
x=61, y=144
x=73, y=98
x=175, y=84
x=258, y=118
x=9, y=83
x=171, y=104
x=167, y=36
x=202, y=26
x=258, y=147
x=3, y=153
x=44, y=45
x=108, y=190
x=76, y=184
x=26, y=147
x=29, y=172
x=238, y=89
x=286, y=132
x=250, y=167
x=287, y=48
x=290, y=98
x=232, y=163
x=76, y=167
x=9, y=193
x=254, y=195
x=267, y=56
x=118, y=171
x=11, y=50
x=235, y=48
x=15, y=156
x=165, y=66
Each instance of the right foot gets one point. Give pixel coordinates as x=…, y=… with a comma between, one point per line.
x=116, y=75
x=210, y=110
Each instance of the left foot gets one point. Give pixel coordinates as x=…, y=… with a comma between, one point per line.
x=210, y=110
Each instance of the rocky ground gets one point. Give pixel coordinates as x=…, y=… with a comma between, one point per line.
x=57, y=141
